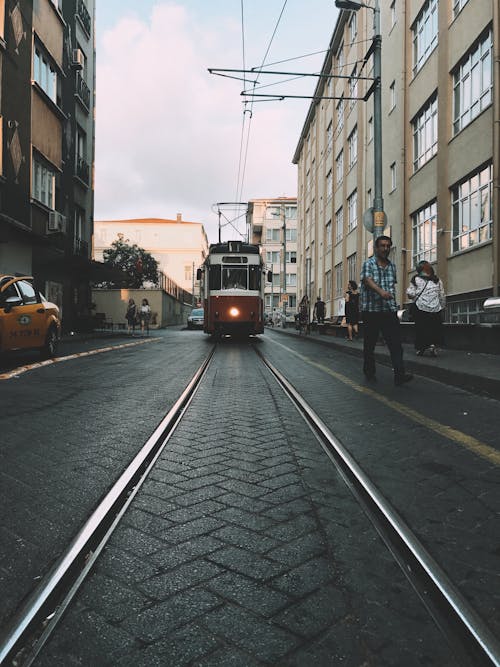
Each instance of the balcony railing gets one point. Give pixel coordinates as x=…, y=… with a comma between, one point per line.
x=82, y=170
x=81, y=248
x=83, y=14
x=82, y=90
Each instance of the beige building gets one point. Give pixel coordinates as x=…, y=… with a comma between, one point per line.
x=441, y=152
x=273, y=224
x=179, y=247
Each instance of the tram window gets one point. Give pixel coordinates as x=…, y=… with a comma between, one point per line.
x=228, y=259
x=214, y=277
x=234, y=278
x=254, y=277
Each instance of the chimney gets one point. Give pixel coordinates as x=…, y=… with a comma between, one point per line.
x=179, y=217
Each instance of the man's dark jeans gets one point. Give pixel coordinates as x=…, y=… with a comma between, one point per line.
x=388, y=325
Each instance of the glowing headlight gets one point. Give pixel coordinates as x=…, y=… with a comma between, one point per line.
x=234, y=312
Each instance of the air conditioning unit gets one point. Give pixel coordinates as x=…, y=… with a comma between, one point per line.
x=77, y=59
x=56, y=223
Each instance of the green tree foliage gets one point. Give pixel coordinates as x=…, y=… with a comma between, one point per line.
x=139, y=265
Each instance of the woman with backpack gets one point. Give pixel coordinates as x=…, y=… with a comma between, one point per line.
x=427, y=294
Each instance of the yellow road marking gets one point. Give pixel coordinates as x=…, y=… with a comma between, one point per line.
x=78, y=355
x=469, y=442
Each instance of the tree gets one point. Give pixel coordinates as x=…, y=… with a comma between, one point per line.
x=139, y=265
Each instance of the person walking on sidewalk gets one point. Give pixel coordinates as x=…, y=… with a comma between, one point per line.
x=131, y=315
x=427, y=293
x=145, y=315
x=352, y=309
x=319, y=311
x=379, y=311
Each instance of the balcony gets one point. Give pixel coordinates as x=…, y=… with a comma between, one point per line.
x=81, y=248
x=82, y=170
x=83, y=14
x=82, y=91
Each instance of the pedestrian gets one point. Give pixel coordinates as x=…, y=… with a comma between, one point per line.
x=319, y=311
x=379, y=311
x=145, y=315
x=304, y=313
x=131, y=315
x=427, y=293
x=352, y=309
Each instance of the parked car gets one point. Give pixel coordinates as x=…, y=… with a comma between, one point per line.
x=27, y=319
x=195, y=319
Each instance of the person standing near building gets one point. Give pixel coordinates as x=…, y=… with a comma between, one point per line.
x=352, y=309
x=379, y=311
x=145, y=315
x=131, y=315
x=319, y=311
x=427, y=293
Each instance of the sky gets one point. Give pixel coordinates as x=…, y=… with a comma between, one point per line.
x=169, y=133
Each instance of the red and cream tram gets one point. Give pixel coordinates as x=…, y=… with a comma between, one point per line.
x=232, y=284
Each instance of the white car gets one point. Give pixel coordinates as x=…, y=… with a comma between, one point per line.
x=195, y=319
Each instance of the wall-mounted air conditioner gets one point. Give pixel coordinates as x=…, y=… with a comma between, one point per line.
x=56, y=223
x=77, y=59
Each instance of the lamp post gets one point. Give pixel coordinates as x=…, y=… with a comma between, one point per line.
x=378, y=215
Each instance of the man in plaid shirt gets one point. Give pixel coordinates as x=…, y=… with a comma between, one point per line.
x=379, y=311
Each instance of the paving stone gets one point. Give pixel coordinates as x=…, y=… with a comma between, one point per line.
x=244, y=488
x=194, y=483
x=137, y=542
x=165, y=617
x=285, y=494
x=279, y=481
x=183, y=514
x=247, y=593
x=313, y=614
x=244, y=519
x=153, y=505
x=293, y=528
x=130, y=568
x=187, y=575
x=147, y=523
x=299, y=550
x=245, y=562
x=305, y=578
x=289, y=510
x=244, y=502
x=228, y=657
x=241, y=537
x=115, y=601
x=185, y=531
x=260, y=638
x=197, y=496
x=159, y=490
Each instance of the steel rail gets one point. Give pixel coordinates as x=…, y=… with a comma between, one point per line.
x=431, y=583
x=45, y=604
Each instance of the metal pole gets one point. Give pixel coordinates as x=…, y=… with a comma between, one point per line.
x=192, y=297
x=379, y=219
x=284, y=263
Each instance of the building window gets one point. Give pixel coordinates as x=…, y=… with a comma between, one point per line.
x=43, y=183
x=329, y=138
x=272, y=256
x=393, y=13
x=291, y=212
x=370, y=129
x=352, y=267
x=339, y=224
x=328, y=234
x=340, y=114
x=276, y=279
x=353, y=85
x=425, y=139
x=425, y=33
x=44, y=73
x=472, y=210
x=292, y=301
x=392, y=96
x=352, y=211
x=291, y=234
x=340, y=58
x=328, y=285
x=339, y=167
x=393, y=176
x=353, y=27
x=369, y=198
x=291, y=280
x=273, y=235
x=352, y=144
x=291, y=256
x=339, y=280
x=469, y=312
x=329, y=186
x=188, y=272
x=457, y=6
x=424, y=224
x=472, y=84
x=308, y=180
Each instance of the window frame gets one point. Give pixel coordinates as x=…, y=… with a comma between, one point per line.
x=424, y=233
x=425, y=127
x=462, y=195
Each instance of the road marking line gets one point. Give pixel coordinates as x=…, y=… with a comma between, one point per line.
x=77, y=355
x=469, y=442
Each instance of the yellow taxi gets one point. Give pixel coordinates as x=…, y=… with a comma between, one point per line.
x=27, y=319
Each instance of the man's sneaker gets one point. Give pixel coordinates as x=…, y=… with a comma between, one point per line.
x=402, y=378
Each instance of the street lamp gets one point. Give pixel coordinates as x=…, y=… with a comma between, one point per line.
x=282, y=215
x=379, y=218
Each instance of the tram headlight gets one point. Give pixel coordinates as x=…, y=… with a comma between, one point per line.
x=234, y=312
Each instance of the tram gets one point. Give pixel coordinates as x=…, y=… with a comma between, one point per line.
x=232, y=285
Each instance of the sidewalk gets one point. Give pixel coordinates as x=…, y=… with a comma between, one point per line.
x=476, y=372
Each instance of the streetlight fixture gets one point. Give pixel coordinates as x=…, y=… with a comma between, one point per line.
x=378, y=215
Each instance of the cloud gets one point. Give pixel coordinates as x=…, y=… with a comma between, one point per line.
x=168, y=133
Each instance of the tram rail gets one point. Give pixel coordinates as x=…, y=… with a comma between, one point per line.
x=467, y=634
x=31, y=627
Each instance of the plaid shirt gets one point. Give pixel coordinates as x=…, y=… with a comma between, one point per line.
x=386, y=279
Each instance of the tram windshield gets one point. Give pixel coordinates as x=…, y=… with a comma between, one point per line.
x=234, y=277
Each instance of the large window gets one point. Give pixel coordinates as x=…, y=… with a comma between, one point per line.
x=291, y=280
x=457, y=6
x=291, y=234
x=43, y=183
x=328, y=234
x=329, y=186
x=339, y=167
x=424, y=224
x=352, y=144
x=273, y=234
x=352, y=267
x=44, y=73
x=340, y=114
x=339, y=280
x=272, y=256
x=329, y=137
x=339, y=224
x=353, y=27
x=425, y=134
x=472, y=83
x=352, y=211
x=425, y=33
x=353, y=85
x=328, y=285
x=472, y=210
x=291, y=256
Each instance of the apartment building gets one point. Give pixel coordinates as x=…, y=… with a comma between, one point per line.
x=47, y=78
x=273, y=224
x=441, y=152
x=179, y=246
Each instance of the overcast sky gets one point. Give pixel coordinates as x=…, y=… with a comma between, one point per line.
x=168, y=133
